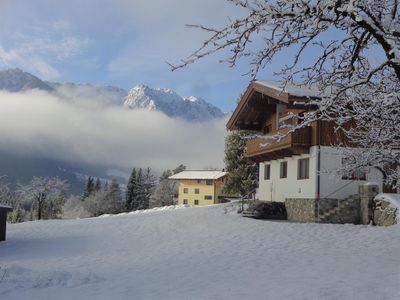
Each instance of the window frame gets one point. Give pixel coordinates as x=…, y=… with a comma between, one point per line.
x=267, y=174
x=196, y=202
x=209, y=182
x=283, y=167
x=197, y=191
x=307, y=169
x=186, y=190
x=208, y=197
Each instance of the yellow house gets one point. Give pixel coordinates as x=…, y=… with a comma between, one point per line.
x=200, y=187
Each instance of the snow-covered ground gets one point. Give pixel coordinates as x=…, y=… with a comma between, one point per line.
x=198, y=253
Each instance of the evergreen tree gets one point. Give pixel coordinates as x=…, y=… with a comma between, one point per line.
x=140, y=197
x=242, y=172
x=113, y=198
x=149, y=185
x=105, y=187
x=90, y=188
x=97, y=185
x=179, y=169
x=131, y=190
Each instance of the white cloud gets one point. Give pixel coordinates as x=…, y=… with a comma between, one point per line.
x=41, y=124
x=40, y=46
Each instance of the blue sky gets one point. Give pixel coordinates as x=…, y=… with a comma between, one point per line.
x=120, y=42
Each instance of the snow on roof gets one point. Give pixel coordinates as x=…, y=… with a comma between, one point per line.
x=291, y=89
x=198, y=174
x=5, y=207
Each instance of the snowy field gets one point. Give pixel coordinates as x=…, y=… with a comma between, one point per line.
x=197, y=253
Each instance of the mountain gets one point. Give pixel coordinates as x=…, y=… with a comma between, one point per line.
x=191, y=108
x=16, y=80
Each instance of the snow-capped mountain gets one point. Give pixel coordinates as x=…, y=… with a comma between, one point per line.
x=192, y=109
x=173, y=105
x=16, y=80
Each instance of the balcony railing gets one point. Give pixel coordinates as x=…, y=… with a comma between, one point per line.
x=292, y=143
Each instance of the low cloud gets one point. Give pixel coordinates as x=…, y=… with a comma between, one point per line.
x=42, y=124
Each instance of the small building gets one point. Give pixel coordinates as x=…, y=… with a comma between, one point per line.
x=200, y=187
x=3, y=220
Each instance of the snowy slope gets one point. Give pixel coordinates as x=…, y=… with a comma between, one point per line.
x=16, y=80
x=169, y=102
x=197, y=253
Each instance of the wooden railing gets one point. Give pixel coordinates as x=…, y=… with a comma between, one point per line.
x=299, y=138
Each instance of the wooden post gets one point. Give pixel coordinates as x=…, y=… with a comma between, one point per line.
x=3, y=221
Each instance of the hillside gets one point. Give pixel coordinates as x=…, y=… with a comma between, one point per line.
x=197, y=253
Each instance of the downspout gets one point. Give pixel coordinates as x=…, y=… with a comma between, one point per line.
x=318, y=165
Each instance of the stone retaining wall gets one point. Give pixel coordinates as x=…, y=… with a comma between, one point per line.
x=302, y=210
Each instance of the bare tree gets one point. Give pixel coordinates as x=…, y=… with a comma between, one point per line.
x=348, y=49
x=42, y=190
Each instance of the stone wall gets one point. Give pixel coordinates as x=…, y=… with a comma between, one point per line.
x=302, y=210
x=340, y=211
x=309, y=210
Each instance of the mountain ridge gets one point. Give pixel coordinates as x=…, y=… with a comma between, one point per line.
x=164, y=100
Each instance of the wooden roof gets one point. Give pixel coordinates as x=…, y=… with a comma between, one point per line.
x=259, y=101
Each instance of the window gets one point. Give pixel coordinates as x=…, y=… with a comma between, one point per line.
x=267, y=172
x=283, y=172
x=303, y=168
x=185, y=190
x=207, y=197
x=196, y=202
x=197, y=191
x=209, y=182
x=358, y=174
x=185, y=201
x=198, y=181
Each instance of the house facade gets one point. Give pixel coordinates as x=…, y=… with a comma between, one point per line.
x=200, y=187
x=302, y=164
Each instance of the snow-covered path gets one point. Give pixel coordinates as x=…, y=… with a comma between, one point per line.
x=198, y=253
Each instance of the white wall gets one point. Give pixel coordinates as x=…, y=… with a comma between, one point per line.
x=332, y=184
x=278, y=189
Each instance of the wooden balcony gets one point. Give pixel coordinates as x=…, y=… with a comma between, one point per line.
x=295, y=143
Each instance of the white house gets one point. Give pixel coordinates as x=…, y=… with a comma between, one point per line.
x=304, y=163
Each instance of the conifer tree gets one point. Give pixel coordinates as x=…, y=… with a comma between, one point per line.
x=131, y=190
x=97, y=185
x=140, y=192
x=149, y=185
x=242, y=172
x=90, y=188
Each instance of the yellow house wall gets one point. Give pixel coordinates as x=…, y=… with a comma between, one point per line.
x=210, y=190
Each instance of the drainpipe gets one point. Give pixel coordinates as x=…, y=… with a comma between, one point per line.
x=318, y=165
